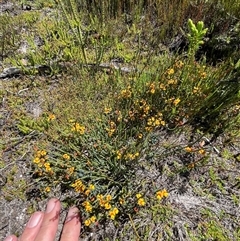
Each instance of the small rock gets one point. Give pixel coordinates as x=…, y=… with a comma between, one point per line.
x=10, y=72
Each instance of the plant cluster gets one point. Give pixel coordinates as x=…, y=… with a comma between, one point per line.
x=98, y=160
x=104, y=125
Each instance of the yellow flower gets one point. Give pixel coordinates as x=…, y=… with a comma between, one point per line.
x=78, y=186
x=161, y=194
x=150, y=121
x=78, y=182
x=91, y=187
x=130, y=156
x=131, y=114
x=119, y=155
x=42, y=160
x=191, y=165
x=78, y=128
x=47, y=166
x=148, y=128
x=202, y=152
x=121, y=201
x=179, y=64
x=136, y=154
x=87, y=222
x=119, y=114
x=108, y=197
x=51, y=117
x=107, y=110
x=87, y=192
x=170, y=71
x=36, y=160
x=107, y=206
x=146, y=109
x=70, y=170
x=157, y=123
x=165, y=193
x=138, y=195
x=152, y=91
x=115, y=210
x=66, y=157
x=99, y=197
x=112, y=128
x=140, y=136
x=88, y=206
x=38, y=154
x=40, y=165
x=102, y=202
x=203, y=75
x=141, y=202
x=39, y=173
x=188, y=149
x=47, y=189
x=152, y=88
x=176, y=101
x=171, y=81
x=112, y=213
x=112, y=124
x=43, y=153
x=93, y=219
x=126, y=93
x=162, y=86
x=195, y=89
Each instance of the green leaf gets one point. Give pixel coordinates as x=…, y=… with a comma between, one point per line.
x=237, y=65
x=200, y=26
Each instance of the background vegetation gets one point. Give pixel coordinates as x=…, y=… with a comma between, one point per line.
x=131, y=109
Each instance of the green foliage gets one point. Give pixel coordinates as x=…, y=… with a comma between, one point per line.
x=7, y=35
x=11, y=31
x=39, y=4
x=195, y=36
x=222, y=96
x=17, y=185
x=231, y=6
x=75, y=23
x=27, y=125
